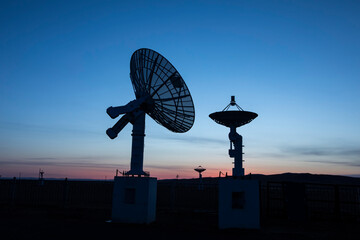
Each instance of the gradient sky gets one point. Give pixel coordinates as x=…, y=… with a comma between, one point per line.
x=295, y=63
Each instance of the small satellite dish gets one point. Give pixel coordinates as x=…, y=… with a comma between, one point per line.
x=200, y=169
x=161, y=93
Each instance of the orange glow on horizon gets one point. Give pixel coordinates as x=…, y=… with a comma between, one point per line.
x=106, y=173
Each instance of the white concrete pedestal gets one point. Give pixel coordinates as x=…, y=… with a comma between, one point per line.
x=134, y=199
x=239, y=205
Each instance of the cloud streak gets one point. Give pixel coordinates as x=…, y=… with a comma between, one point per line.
x=346, y=156
x=86, y=162
x=193, y=139
x=343, y=163
x=82, y=162
x=323, y=151
x=16, y=126
x=326, y=155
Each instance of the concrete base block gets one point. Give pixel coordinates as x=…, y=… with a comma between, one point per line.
x=134, y=200
x=239, y=205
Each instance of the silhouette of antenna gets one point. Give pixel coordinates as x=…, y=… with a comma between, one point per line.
x=161, y=93
x=41, y=176
x=232, y=120
x=200, y=169
x=41, y=173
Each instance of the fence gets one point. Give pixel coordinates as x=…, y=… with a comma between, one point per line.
x=303, y=201
x=178, y=196
x=287, y=200
x=84, y=194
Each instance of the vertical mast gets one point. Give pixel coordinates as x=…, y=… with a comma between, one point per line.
x=236, y=153
x=137, y=149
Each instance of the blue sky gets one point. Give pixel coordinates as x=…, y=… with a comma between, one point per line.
x=295, y=63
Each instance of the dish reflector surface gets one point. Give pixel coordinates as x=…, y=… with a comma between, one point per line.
x=153, y=76
x=233, y=118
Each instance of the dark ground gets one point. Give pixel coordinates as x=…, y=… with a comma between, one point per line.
x=23, y=222
x=30, y=211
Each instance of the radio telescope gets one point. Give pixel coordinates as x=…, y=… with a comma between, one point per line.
x=232, y=120
x=200, y=169
x=161, y=93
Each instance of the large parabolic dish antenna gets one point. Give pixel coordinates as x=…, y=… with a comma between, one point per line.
x=161, y=93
